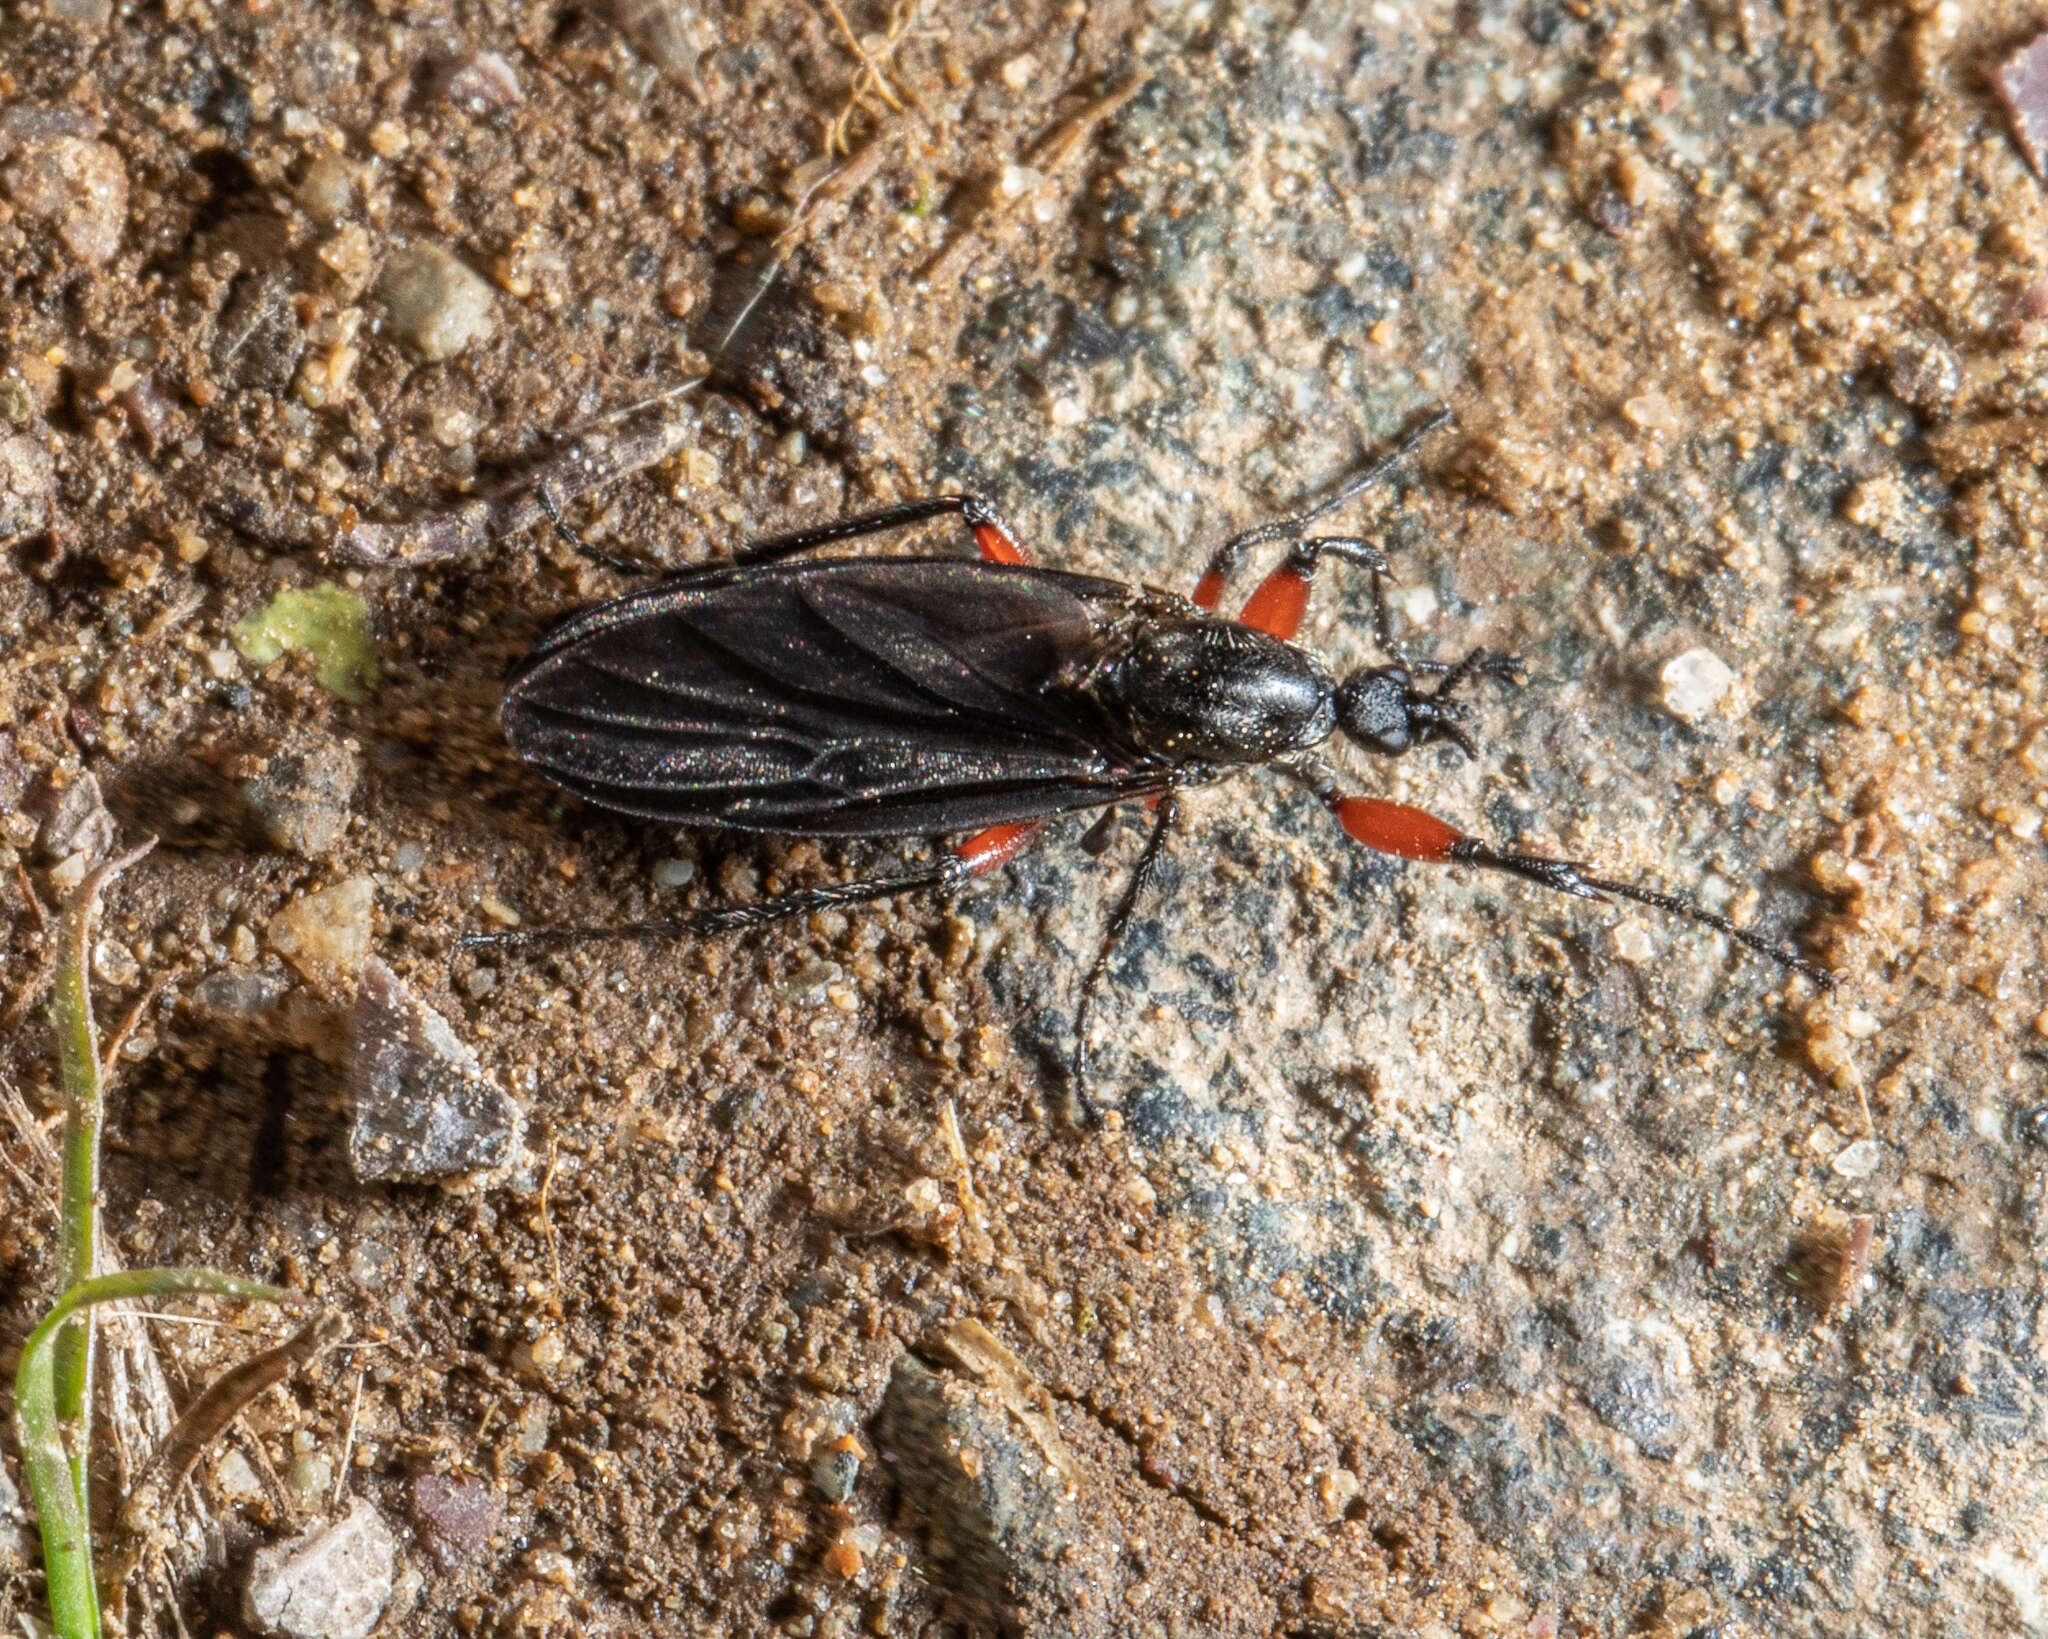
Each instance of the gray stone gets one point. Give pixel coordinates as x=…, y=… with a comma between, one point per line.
x=76, y=823
x=454, y=1517
x=298, y=795
x=992, y=1511
x=436, y=303
x=330, y=1582
x=241, y=995
x=424, y=1108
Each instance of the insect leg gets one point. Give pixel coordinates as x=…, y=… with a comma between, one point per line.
x=1167, y=815
x=1506, y=668
x=1282, y=597
x=1411, y=833
x=1209, y=590
x=977, y=856
x=993, y=538
x=576, y=543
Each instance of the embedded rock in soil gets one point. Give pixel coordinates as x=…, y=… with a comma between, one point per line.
x=480, y=82
x=454, y=1518
x=990, y=1508
x=298, y=795
x=74, y=186
x=1695, y=684
x=326, y=935
x=2022, y=85
x=26, y=476
x=424, y=1109
x=77, y=832
x=331, y=1582
x=290, y=793
x=436, y=302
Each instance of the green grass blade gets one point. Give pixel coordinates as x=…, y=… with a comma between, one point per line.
x=51, y=1465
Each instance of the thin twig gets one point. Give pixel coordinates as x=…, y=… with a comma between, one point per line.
x=222, y=1401
x=348, y=1441
x=547, y=1222
x=1048, y=158
x=129, y=1020
x=78, y=1212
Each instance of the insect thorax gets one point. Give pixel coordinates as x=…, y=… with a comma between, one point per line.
x=1202, y=690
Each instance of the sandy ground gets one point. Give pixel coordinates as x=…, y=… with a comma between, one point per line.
x=1455, y=1259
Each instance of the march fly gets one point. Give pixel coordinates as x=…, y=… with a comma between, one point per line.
x=849, y=696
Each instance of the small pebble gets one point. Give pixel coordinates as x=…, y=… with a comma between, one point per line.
x=1632, y=943
x=310, y=1477
x=74, y=186
x=326, y=935
x=1695, y=684
x=409, y=857
x=673, y=873
x=436, y=302
x=539, y=1357
x=835, y=1471
x=27, y=474
x=660, y=30
x=807, y=985
x=328, y=189
x=1019, y=72
x=2021, y=82
x=77, y=824
x=235, y=1478
x=94, y=14
x=424, y=1108
x=454, y=1517
x=297, y=796
x=115, y=963
x=1860, y=1159
x=240, y=995
x=330, y=1582
x=478, y=81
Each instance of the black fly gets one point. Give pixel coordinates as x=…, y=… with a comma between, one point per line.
x=877, y=697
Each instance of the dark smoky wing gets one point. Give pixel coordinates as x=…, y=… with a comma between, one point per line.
x=845, y=697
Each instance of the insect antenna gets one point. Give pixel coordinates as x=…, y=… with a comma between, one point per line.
x=1679, y=905
x=1566, y=877
x=1290, y=528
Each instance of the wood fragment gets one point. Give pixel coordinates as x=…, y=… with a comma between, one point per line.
x=1049, y=157
x=590, y=463
x=978, y=1351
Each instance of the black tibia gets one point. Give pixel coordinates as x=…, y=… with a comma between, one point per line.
x=577, y=544
x=777, y=547
x=972, y=508
x=1142, y=877
x=943, y=874
x=1566, y=877
x=1291, y=527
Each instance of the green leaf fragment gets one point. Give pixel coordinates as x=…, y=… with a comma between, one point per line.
x=328, y=622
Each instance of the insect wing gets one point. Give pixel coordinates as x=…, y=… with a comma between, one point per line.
x=848, y=697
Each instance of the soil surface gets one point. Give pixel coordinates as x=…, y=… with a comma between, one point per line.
x=1454, y=1258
